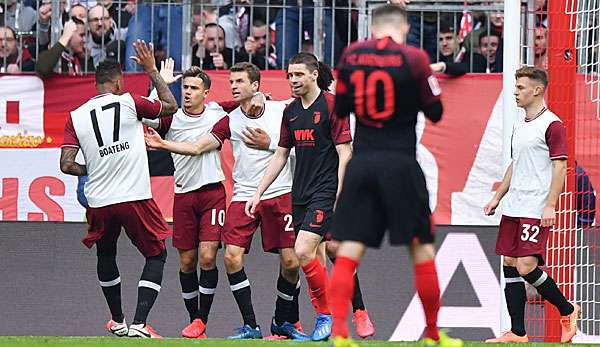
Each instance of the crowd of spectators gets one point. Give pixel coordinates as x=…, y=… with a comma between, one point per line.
x=224, y=33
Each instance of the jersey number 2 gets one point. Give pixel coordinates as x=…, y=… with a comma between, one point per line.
x=117, y=107
x=365, y=94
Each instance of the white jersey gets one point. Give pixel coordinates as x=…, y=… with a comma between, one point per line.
x=111, y=137
x=250, y=164
x=194, y=172
x=535, y=144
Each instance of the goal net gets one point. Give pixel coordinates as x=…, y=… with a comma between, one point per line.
x=564, y=37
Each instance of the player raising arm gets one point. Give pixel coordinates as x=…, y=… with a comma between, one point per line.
x=108, y=130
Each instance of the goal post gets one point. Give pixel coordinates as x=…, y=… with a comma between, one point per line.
x=563, y=36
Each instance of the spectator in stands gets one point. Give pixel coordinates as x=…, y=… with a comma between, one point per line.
x=159, y=23
x=69, y=50
x=78, y=11
x=19, y=17
x=287, y=42
x=210, y=53
x=450, y=53
x=540, y=47
x=423, y=29
x=488, y=48
x=234, y=19
x=10, y=59
x=104, y=36
x=496, y=26
x=255, y=48
x=120, y=14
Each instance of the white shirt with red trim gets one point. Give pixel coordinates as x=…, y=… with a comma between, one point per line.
x=193, y=172
x=108, y=130
x=250, y=164
x=535, y=143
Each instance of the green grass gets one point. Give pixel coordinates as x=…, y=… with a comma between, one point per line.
x=51, y=341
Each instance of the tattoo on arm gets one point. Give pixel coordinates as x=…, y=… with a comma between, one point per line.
x=68, y=164
x=164, y=94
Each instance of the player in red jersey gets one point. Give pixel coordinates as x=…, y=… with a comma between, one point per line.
x=385, y=83
x=322, y=142
x=110, y=134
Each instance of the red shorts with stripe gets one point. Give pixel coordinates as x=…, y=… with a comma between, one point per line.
x=521, y=237
x=274, y=217
x=198, y=216
x=142, y=221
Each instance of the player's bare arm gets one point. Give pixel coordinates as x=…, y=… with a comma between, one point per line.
x=490, y=208
x=205, y=143
x=559, y=171
x=344, y=151
x=276, y=164
x=68, y=164
x=145, y=58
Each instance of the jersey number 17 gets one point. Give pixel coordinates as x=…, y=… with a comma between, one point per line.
x=117, y=122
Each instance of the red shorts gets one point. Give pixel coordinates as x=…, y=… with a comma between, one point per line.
x=521, y=237
x=142, y=221
x=275, y=219
x=198, y=216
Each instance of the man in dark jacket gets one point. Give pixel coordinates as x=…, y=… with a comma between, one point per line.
x=69, y=50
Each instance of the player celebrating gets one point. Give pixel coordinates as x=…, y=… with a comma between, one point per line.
x=109, y=132
x=322, y=143
x=532, y=183
x=254, y=140
x=199, y=202
x=385, y=83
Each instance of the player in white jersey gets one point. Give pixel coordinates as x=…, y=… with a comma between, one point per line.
x=199, y=202
x=530, y=187
x=254, y=140
x=110, y=134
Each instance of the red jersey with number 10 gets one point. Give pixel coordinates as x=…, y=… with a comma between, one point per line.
x=385, y=84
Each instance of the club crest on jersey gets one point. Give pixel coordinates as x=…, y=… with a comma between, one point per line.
x=316, y=117
x=319, y=216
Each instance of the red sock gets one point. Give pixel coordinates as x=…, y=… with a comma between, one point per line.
x=340, y=293
x=313, y=300
x=428, y=288
x=316, y=276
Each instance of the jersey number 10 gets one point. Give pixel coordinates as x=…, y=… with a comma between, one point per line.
x=117, y=107
x=365, y=94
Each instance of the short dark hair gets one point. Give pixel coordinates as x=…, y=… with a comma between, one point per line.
x=196, y=71
x=258, y=22
x=249, y=68
x=312, y=63
x=445, y=27
x=215, y=25
x=388, y=12
x=533, y=73
x=107, y=70
x=486, y=34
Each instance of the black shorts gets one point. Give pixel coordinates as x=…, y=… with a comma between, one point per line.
x=314, y=217
x=386, y=191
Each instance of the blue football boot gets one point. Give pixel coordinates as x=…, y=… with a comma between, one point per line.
x=246, y=332
x=322, y=327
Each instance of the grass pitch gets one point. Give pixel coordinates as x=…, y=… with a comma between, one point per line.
x=52, y=341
